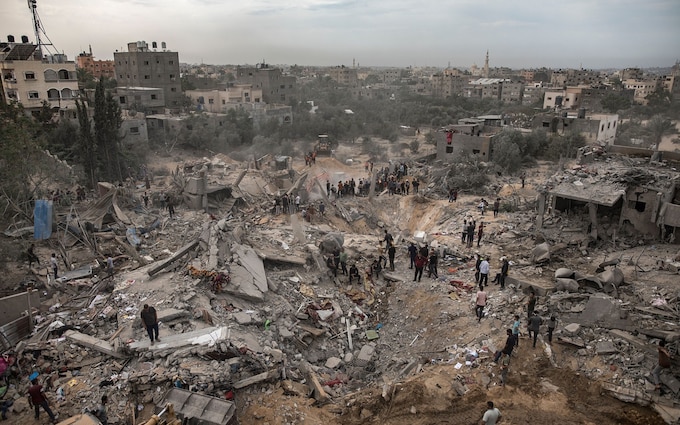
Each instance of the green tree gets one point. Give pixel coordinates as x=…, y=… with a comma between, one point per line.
x=657, y=127
x=615, y=101
x=107, y=121
x=414, y=146
x=87, y=148
x=506, y=154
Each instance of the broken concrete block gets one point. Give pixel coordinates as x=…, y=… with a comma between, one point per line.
x=333, y=362
x=603, y=348
x=331, y=242
x=564, y=273
x=365, y=355
x=572, y=328
x=348, y=358
x=566, y=285
x=541, y=253
x=284, y=333
x=248, y=278
x=243, y=318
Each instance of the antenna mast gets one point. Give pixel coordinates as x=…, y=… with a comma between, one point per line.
x=38, y=28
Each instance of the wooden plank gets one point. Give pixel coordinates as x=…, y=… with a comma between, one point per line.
x=176, y=256
x=265, y=376
x=316, y=332
x=313, y=382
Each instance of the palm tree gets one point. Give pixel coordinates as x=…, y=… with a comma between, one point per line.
x=659, y=126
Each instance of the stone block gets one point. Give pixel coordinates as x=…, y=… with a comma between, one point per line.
x=365, y=355
x=605, y=347
x=333, y=362
x=243, y=318
x=572, y=328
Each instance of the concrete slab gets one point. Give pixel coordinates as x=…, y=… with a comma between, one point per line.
x=598, y=307
x=248, y=277
x=208, y=337
x=605, y=347
x=94, y=343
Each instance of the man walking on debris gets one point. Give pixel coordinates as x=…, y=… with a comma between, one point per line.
x=32, y=258
x=354, y=272
x=531, y=304
x=535, y=323
x=343, y=261
x=509, y=346
x=491, y=416
x=515, y=329
x=552, y=324
x=150, y=322
x=432, y=264
x=54, y=264
x=504, y=364
x=464, y=232
x=38, y=399
x=664, y=363
x=505, y=268
x=480, y=303
x=412, y=252
x=391, y=252
x=480, y=233
x=420, y=262
x=484, y=273
x=496, y=206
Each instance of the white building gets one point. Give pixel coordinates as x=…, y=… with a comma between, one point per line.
x=30, y=79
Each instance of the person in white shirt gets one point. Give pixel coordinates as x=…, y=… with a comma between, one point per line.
x=491, y=416
x=484, y=273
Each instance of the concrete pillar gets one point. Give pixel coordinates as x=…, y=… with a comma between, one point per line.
x=592, y=212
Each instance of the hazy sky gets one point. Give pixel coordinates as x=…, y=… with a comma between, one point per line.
x=517, y=33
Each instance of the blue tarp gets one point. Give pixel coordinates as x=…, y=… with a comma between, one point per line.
x=42, y=219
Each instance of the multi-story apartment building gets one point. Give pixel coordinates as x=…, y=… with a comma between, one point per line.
x=276, y=87
x=144, y=67
x=343, y=75
x=447, y=84
x=29, y=78
x=643, y=88
x=148, y=99
x=512, y=92
x=533, y=93
x=219, y=101
x=98, y=68
x=568, y=98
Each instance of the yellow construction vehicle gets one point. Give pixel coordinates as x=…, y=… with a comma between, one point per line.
x=170, y=419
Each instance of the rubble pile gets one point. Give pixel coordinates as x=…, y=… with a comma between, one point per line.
x=246, y=303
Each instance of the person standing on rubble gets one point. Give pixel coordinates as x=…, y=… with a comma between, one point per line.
x=515, y=329
x=343, y=261
x=484, y=273
x=480, y=303
x=535, y=323
x=505, y=365
x=480, y=233
x=664, y=363
x=54, y=264
x=354, y=272
x=100, y=413
x=531, y=304
x=297, y=204
x=505, y=268
x=491, y=416
x=496, y=206
x=420, y=263
x=37, y=399
x=391, y=252
x=150, y=322
x=109, y=265
x=432, y=264
x=552, y=324
x=145, y=198
x=412, y=252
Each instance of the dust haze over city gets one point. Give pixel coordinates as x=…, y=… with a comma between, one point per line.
x=340, y=212
x=602, y=34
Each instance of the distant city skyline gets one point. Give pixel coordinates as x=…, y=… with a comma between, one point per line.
x=397, y=33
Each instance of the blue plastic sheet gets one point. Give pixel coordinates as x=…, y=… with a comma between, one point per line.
x=42, y=219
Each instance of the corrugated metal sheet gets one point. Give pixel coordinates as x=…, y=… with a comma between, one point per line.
x=200, y=409
x=13, y=332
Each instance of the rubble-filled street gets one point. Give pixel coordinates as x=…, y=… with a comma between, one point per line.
x=253, y=304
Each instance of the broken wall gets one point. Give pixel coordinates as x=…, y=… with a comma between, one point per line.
x=640, y=209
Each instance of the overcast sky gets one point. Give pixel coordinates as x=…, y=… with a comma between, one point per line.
x=517, y=33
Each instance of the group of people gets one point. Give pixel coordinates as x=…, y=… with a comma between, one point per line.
x=468, y=232
x=287, y=204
